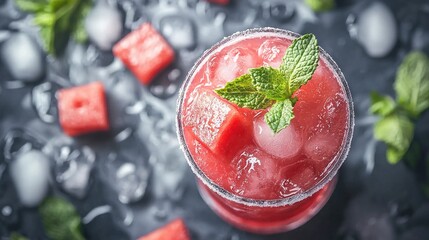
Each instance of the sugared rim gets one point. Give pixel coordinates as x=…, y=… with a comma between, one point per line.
x=338, y=160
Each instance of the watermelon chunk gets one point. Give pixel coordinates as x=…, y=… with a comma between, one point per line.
x=175, y=230
x=216, y=123
x=83, y=109
x=145, y=52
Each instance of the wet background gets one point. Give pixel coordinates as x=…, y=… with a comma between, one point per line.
x=133, y=179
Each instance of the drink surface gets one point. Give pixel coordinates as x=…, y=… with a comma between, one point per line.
x=237, y=150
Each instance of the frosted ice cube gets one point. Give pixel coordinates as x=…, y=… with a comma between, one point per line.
x=296, y=178
x=377, y=30
x=179, y=31
x=206, y=115
x=253, y=171
x=272, y=51
x=224, y=67
x=104, y=25
x=30, y=174
x=321, y=147
x=23, y=58
x=285, y=144
x=41, y=98
x=129, y=178
x=73, y=167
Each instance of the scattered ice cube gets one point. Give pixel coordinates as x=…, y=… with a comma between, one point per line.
x=41, y=97
x=377, y=30
x=170, y=170
x=272, y=51
x=17, y=141
x=23, y=58
x=128, y=178
x=285, y=144
x=179, y=31
x=104, y=25
x=232, y=64
x=30, y=174
x=72, y=165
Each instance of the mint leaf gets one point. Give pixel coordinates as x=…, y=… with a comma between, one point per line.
x=280, y=115
x=17, y=236
x=397, y=131
x=266, y=86
x=270, y=82
x=300, y=61
x=31, y=5
x=412, y=83
x=242, y=92
x=58, y=21
x=60, y=219
x=382, y=105
x=320, y=5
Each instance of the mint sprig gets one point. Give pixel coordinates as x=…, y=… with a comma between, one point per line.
x=396, y=124
x=265, y=87
x=58, y=20
x=60, y=219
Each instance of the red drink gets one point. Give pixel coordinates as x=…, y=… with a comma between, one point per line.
x=257, y=180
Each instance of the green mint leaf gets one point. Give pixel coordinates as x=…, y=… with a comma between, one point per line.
x=58, y=21
x=31, y=5
x=60, y=219
x=397, y=131
x=280, y=115
x=17, y=236
x=382, y=105
x=300, y=61
x=270, y=82
x=79, y=33
x=242, y=92
x=412, y=83
x=320, y=5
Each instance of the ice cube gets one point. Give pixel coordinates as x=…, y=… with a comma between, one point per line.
x=285, y=144
x=228, y=64
x=321, y=147
x=30, y=174
x=272, y=51
x=23, y=58
x=215, y=122
x=73, y=168
x=41, y=98
x=104, y=25
x=128, y=178
x=377, y=30
x=296, y=178
x=254, y=174
x=179, y=31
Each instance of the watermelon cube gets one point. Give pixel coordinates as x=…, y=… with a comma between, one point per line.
x=175, y=230
x=145, y=52
x=216, y=123
x=83, y=109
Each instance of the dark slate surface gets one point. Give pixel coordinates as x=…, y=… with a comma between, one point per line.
x=373, y=200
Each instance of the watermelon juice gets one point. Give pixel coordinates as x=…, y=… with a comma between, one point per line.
x=257, y=180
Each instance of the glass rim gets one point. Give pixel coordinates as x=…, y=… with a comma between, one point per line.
x=336, y=162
